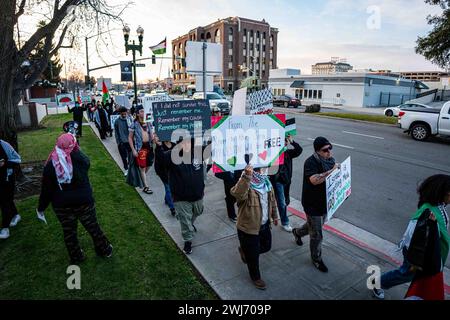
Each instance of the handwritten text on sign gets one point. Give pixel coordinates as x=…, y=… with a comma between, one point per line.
x=193, y=116
x=238, y=139
x=339, y=187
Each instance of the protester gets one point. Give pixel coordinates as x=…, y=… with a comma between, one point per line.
x=314, y=200
x=9, y=160
x=187, y=186
x=78, y=112
x=65, y=184
x=282, y=181
x=162, y=170
x=92, y=107
x=229, y=181
x=109, y=107
x=434, y=196
x=257, y=207
x=140, y=140
x=101, y=121
x=121, y=133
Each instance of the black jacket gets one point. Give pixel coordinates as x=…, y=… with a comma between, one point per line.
x=75, y=194
x=77, y=113
x=284, y=174
x=186, y=181
x=161, y=166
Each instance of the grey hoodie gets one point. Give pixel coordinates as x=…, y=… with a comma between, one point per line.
x=121, y=130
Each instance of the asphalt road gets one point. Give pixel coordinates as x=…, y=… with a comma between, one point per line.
x=387, y=166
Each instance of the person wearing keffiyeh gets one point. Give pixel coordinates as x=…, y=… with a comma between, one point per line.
x=65, y=184
x=257, y=210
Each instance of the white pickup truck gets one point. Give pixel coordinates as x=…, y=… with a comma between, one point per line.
x=423, y=123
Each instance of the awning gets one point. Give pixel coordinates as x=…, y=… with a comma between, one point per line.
x=298, y=84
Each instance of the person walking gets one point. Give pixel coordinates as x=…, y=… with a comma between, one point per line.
x=162, y=170
x=434, y=196
x=282, y=181
x=314, y=199
x=229, y=181
x=121, y=134
x=257, y=209
x=101, y=121
x=187, y=186
x=65, y=184
x=140, y=139
x=92, y=107
x=78, y=112
x=9, y=160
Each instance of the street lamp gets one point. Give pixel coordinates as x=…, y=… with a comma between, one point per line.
x=133, y=48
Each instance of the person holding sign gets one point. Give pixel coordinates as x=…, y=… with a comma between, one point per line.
x=314, y=199
x=101, y=120
x=161, y=169
x=121, y=134
x=140, y=140
x=257, y=208
x=282, y=181
x=78, y=116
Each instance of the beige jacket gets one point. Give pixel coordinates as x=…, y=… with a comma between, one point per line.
x=249, y=204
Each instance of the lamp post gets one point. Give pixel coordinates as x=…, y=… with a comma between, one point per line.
x=133, y=48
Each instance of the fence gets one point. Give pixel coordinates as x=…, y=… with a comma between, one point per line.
x=394, y=99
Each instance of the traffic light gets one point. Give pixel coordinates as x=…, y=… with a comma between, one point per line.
x=153, y=59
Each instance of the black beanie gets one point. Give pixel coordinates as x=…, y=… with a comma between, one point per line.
x=139, y=108
x=320, y=142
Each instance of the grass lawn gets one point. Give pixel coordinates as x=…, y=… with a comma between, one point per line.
x=364, y=117
x=146, y=263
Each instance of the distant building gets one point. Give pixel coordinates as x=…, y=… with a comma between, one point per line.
x=432, y=79
x=332, y=67
x=246, y=44
x=346, y=89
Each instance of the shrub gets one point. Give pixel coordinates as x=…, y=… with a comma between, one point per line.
x=313, y=108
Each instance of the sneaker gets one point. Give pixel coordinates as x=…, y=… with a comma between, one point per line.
x=298, y=240
x=125, y=173
x=234, y=220
x=378, y=293
x=260, y=284
x=241, y=252
x=4, y=233
x=320, y=266
x=108, y=251
x=15, y=220
x=287, y=228
x=187, y=247
x=173, y=212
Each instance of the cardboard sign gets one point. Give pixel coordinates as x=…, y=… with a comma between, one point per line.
x=291, y=127
x=123, y=101
x=258, y=140
x=64, y=100
x=339, y=187
x=260, y=102
x=239, y=102
x=191, y=115
x=113, y=119
x=147, y=102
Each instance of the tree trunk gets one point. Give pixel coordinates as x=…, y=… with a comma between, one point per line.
x=8, y=70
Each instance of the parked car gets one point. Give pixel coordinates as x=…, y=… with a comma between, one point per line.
x=394, y=111
x=215, y=100
x=425, y=122
x=286, y=101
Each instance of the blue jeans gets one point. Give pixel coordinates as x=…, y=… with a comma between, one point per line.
x=168, y=197
x=399, y=276
x=281, y=202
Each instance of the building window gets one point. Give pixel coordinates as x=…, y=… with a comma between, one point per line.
x=264, y=73
x=310, y=94
x=230, y=65
x=230, y=31
x=230, y=72
x=230, y=45
x=217, y=38
x=208, y=37
x=230, y=86
x=315, y=94
x=244, y=52
x=320, y=95
x=251, y=36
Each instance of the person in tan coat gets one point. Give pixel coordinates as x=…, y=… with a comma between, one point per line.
x=257, y=209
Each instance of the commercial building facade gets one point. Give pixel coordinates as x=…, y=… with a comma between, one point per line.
x=346, y=89
x=331, y=67
x=246, y=44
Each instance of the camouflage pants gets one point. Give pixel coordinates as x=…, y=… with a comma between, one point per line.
x=86, y=214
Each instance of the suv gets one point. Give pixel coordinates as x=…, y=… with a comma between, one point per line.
x=215, y=100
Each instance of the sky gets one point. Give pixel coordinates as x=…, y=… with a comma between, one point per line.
x=377, y=34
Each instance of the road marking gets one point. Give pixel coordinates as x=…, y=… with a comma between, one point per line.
x=363, y=135
x=336, y=144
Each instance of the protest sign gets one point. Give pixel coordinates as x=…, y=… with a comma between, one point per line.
x=239, y=102
x=291, y=127
x=64, y=100
x=123, y=101
x=260, y=102
x=259, y=138
x=191, y=115
x=113, y=119
x=339, y=187
x=147, y=102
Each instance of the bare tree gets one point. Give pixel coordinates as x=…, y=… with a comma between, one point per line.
x=65, y=21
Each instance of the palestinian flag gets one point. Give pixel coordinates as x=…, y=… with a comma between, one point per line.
x=105, y=93
x=160, y=48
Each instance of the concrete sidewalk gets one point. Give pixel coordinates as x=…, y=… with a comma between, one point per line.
x=287, y=268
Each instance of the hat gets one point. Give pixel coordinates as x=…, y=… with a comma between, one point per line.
x=139, y=108
x=321, y=142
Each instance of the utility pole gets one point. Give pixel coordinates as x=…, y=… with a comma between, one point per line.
x=87, y=64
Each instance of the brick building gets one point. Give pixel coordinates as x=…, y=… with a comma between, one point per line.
x=246, y=44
